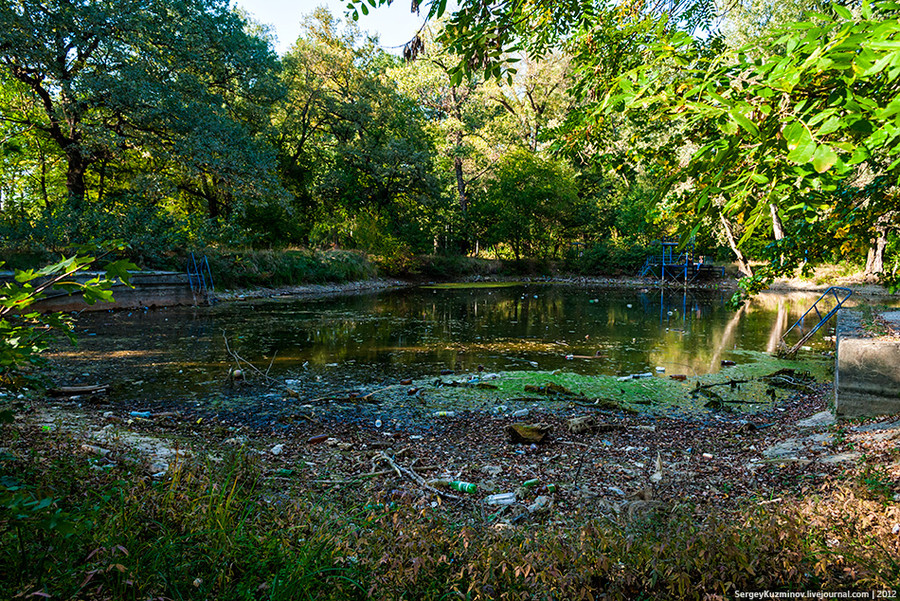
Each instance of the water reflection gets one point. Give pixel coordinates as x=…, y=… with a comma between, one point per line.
x=347, y=341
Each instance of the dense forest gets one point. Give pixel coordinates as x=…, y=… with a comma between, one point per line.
x=575, y=132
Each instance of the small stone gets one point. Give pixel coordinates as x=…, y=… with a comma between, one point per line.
x=277, y=449
x=823, y=418
x=527, y=433
x=95, y=450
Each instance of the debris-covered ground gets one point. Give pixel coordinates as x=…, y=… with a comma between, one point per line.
x=530, y=442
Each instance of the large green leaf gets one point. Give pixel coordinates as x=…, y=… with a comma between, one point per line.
x=824, y=158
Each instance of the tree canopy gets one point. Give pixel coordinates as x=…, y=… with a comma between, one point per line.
x=571, y=131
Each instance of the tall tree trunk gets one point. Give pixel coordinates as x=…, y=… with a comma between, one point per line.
x=76, y=168
x=212, y=202
x=777, y=227
x=743, y=265
x=44, y=195
x=875, y=256
x=460, y=181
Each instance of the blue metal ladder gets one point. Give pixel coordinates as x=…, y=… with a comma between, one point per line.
x=200, y=278
x=834, y=291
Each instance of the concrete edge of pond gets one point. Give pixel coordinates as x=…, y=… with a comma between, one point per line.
x=867, y=369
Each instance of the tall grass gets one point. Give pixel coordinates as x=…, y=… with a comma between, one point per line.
x=267, y=268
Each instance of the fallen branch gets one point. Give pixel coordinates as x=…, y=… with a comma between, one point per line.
x=270, y=381
x=76, y=390
x=418, y=479
x=731, y=383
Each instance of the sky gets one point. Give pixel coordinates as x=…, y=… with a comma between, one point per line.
x=394, y=24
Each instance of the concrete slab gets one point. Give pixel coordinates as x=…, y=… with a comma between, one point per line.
x=867, y=371
x=821, y=419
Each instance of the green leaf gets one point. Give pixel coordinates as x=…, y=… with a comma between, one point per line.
x=745, y=123
x=824, y=158
x=759, y=178
x=799, y=143
x=830, y=126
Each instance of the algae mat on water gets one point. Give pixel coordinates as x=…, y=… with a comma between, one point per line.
x=754, y=384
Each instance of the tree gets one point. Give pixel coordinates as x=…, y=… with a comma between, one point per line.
x=488, y=36
x=351, y=147
x=528, y=203
x=810, y=127
x=116, y=81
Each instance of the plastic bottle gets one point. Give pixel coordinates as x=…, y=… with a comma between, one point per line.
x=504, y=498
x=463, y=486
x=532, y=482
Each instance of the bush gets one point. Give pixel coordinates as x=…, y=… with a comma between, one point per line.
x=266, y=268
x=608, y=258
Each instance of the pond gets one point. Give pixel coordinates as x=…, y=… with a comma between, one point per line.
x=324, y=345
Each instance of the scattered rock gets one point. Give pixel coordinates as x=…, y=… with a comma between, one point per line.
x=95, y=450
x=584, y=423
x=522, y=433
x=880, y=426
x=841, y=457
x=823, y=418
x=277, y=449
x=158, y=469
x=588, y=423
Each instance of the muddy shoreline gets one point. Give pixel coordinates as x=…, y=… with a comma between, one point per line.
x=860, y=287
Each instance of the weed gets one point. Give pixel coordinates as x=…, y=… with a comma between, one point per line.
x=224, y=531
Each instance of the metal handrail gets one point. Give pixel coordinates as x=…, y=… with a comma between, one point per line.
x=822, y=320
x=199, y=272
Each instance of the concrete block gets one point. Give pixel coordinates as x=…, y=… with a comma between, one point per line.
x=867, y=375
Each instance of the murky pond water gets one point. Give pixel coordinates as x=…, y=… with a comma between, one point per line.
x=341, y=343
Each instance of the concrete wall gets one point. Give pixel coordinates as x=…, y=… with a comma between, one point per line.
x=150, y=289
x=867, y=371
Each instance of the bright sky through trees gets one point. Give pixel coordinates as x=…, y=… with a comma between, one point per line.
x=394, y=24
